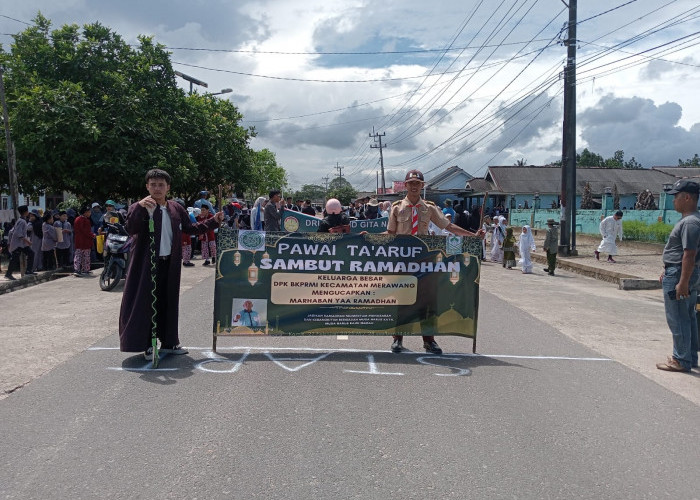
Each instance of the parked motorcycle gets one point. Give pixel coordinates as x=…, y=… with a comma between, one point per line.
x=115, y=254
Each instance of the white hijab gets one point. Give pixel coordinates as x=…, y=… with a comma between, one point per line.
x=257, y=215
x=527, y=241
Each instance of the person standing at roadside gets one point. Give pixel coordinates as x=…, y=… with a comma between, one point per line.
x=680, y=278
x=35, y=222
x=550, y=245
x=20, y=244
x=48, y=242
x=84, y=237
x=412, y=216
x=63, y=247
x=610, y=230
x=273, y=212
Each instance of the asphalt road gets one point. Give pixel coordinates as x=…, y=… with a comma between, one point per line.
x=535, y=415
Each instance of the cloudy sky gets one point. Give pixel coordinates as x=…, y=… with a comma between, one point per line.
x=469, y=83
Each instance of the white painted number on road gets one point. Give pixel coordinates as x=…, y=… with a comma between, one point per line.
x=373, y=370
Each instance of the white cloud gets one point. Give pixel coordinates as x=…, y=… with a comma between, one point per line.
x=655, y=104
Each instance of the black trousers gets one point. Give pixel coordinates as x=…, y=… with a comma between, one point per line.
x=49, y=259
x=62, y=256
x=14, y=259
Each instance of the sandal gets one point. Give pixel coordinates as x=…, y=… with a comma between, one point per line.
x=671, y=365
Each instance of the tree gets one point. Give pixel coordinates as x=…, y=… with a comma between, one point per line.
x=690, y=162
x=588, y=159
x=312, y=192
x=341, y=189
x=265, y=174
x=616, y=197
x=617, y=160
x=91, y=114
x=587, y=198
x=522, y=162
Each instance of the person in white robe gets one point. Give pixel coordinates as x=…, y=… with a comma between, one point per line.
x=499, y=234
x=526, y=244
x=487, y=228
x=610, y=230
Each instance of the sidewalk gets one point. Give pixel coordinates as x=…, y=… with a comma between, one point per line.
x=637, y=267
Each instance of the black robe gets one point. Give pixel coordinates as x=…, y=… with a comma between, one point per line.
x=135, y=314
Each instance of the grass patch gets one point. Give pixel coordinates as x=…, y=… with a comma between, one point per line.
x=639, y=231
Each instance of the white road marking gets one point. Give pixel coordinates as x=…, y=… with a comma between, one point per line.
x=460, y=372
x=215, y=358
x=311, y=361
x=369, y=351
x=373, y=370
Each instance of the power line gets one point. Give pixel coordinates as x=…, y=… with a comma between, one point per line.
x=334, y=53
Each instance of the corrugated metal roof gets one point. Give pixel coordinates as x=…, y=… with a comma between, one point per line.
x=446, y=175
x=480, y=185
x=513, y=179
x=680, y=172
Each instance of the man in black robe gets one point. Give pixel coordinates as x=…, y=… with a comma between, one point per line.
x=136, y=309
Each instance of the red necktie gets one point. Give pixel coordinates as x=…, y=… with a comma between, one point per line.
x=414, y=213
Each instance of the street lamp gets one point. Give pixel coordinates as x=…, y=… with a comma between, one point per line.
x=223, y=91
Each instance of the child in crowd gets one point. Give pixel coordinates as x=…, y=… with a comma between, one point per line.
x=186, y=250
x=48, y=242
x=208, y=239
x=63, y=247
x=509, y=249
x=499, y=234
x=525, y=246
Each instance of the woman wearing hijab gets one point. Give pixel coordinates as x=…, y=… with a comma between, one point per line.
x=499, y=234
x=257, y=214
x=525, y=246
x=509, y=249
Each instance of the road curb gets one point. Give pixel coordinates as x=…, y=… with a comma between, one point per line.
x=624, y=281
x=36, y=279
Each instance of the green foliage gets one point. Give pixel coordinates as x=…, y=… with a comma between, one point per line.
x=690, y=162
x=91, y=114
x=264, y=174
x=341, y=189
x=71, y=202
x=590, y=159
x=312, y=192
x=639, y=231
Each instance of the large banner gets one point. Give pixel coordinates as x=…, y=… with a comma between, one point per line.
x=297, y=222
x=351, y=284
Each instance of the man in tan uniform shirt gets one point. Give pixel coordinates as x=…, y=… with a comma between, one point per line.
x=412, y=216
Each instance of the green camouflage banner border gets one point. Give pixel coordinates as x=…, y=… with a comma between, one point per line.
x=345, y=284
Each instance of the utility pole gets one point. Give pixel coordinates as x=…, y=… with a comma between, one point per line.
x=339, y=169
x=567, y=243
x=14, y=186
x=325, y=195
x=376, y=135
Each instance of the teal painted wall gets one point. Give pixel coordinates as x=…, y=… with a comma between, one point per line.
x=587, y=221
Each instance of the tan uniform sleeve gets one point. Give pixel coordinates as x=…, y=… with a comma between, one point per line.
x=391, y=226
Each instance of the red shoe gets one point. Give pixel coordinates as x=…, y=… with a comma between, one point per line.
x=610, y=259
x=597, y=255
